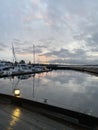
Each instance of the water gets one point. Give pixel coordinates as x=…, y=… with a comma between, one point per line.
x=67, y=89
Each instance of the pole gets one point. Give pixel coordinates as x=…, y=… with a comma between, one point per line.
x=33, y=54
x=13, y=52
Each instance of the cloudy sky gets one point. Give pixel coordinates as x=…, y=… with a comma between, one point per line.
x=63, y=31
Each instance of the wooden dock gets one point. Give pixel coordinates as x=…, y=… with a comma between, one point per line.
x=75, y=120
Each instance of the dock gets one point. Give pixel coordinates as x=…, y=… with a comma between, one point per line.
x=93, y=69
x=19, y=113
x=15, y=117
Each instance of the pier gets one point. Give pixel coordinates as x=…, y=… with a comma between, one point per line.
x=83, y=68
x=70, y=119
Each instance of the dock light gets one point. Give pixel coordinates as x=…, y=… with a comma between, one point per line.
x=16, y=92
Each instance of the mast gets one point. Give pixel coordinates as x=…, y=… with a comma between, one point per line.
x=33, y=54
x=13, y=52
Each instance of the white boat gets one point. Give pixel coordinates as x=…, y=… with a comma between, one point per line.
x=19, y=68
x=22, y=68
x=4, y=66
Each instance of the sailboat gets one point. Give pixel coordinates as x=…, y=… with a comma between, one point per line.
x=17, y=67
x=36, y=67
x=20, y=67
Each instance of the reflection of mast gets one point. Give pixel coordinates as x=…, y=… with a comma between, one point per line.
x=13, y=52
x=15, y=86
x=33, y=86
x=16, y=91
x=39, y=79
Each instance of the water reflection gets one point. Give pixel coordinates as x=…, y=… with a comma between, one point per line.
x=33, y=86
x=15, y=88
x=16, y=113
x=68, y=89
x=23, y=77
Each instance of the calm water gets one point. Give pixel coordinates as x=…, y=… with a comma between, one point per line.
x=67, y=89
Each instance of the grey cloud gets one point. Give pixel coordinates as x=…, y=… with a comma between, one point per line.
x=70, y=21
x=75, y=61
x=1, y=49
x=90, y=38
x=93, y=40
x=60, y=53
x=79, y=56
x=29, y=49
x=3, y=46
x=63, y=53
x=27, y=46
x=59, y=10
x=88, y=31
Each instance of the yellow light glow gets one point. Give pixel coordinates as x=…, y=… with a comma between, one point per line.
x=16, y=92
x=16, y=112
x=15, y=117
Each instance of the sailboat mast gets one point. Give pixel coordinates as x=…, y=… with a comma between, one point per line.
x=33, y=54
x=13, y=52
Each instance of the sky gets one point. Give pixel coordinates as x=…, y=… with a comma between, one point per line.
x=62, y=31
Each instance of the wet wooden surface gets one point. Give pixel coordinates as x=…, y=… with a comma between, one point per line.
x=13, y=117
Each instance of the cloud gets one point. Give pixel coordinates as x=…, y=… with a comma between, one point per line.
x=58, y=28
x=67, y=56
x=63, y=53
x=67, y=12
x=28, y=48
x=3, y=46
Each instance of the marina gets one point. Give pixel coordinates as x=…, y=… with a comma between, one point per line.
x=20, y=69
x=63, y=89
x=48, y=65
x=27, y=88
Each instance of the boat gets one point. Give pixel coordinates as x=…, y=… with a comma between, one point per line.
x=17, y=67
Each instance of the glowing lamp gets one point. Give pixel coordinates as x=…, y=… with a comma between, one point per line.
x=16, y=92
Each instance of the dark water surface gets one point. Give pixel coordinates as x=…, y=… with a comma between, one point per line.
x=67, y=89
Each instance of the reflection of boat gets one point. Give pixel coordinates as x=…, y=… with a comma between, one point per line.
x=33, y=86
x=24, y=77
x=21, y=68
x=1, y=71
